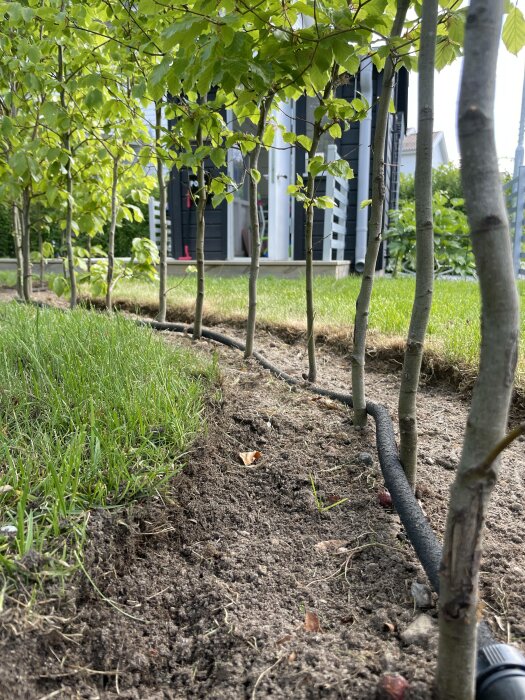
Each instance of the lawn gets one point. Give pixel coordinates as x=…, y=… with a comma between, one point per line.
x=94, y=412
x=453, y=333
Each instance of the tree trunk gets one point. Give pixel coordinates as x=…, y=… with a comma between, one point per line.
x=66, y=145
x=254, y=225
x=309, y=271
x=309, y=235
x=17, y=235
x=111, y=236
x=163, y=271
x=199, y=244
x=27, y=281
x=424, y=245
x=42, y=262
x=499, y=336
x=375, y=227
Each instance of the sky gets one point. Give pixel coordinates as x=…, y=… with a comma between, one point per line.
x=510, y=73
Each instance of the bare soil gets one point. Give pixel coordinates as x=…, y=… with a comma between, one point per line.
x=231, y=586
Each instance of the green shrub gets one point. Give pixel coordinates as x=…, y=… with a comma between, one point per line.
x=452, y=248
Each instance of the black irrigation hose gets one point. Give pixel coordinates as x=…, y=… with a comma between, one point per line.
x=501, y=667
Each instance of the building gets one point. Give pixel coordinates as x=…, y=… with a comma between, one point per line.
x=339, y=234
x=408, y=153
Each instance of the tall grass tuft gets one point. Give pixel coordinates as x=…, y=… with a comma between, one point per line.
x=94, y=412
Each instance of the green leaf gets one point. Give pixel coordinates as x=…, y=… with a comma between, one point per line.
x=268, y=136
x=305, y=142
x=365, y=203
x=514, y=31
x=316, y=165
x=324, y=202
x=255, y=175
x=47, y=249
x=94, y=98
x=218, y=156
x=60, y=286
x=335, y=131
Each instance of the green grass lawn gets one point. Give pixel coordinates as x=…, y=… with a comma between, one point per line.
x=94, y=412
x=453, y=333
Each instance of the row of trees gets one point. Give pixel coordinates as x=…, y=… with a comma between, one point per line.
x=76, y=77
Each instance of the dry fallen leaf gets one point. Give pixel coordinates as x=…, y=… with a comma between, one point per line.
x=250, y=457
x=6, y=488
x=311, y=622
x=332, y=546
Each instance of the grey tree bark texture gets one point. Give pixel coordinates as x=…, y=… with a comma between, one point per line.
x=201, y=229
x=27, y=277
x=66, y=145
x=111, y=236
x=163, y=253
x=424, y=245
x=309, y=269
x=374, y=227
x=17, y=235
x=492, y=392
x=309, y=238
x=255, y=229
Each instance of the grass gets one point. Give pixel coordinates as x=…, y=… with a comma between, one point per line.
x=94, y=412
x=453, y=333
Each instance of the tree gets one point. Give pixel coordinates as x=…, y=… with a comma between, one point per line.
x=491, y=396
x=375, y=226
x=424, y=246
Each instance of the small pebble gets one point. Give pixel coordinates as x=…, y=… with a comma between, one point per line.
x=365, y=458
x=8, y=530
x=421, y=594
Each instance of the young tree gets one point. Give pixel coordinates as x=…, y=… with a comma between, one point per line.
x=255, y=252
x=491, y=396
x=375, y=225
x=424, y=245
x=161, y=181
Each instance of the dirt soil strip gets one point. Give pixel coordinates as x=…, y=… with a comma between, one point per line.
x=237, y=585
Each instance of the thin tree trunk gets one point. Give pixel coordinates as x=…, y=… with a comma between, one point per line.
x=309, y=237
x=26, y=245
x=424, y=245
x=111, y=236
x=375, y=227
x=66, y=145
x=17, y=235
x=163, y=271
x=491, y=396
x=88, y=248
x=254, y=225
x=199, y=243
x=41, y=266
x=309, y=248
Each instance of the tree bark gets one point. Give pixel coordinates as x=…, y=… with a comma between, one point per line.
x=111, y=235
x=42, y=262
x=255, y=229
x=375, y=227
x=309, y=238
x=424, y=245
x=17, y=235
x=27, y=281
x=199, y=245
x=163, y=268
x=499, y=337
x=66, y=145
x=309, y=249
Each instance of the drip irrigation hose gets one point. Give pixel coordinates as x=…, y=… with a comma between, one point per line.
x=500, y=667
